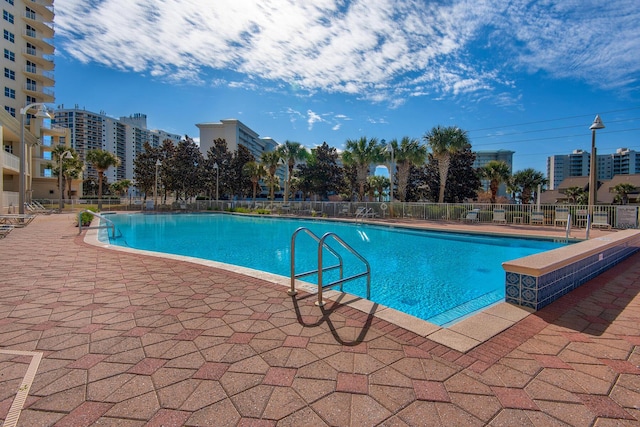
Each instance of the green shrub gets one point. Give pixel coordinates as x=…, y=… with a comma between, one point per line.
x=86, y=217
x=263, y=211
x=240, y=209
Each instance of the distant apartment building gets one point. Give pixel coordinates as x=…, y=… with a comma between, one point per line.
x=124, y=137
x=576, y=164
x=27, y=79
x=235, y=133
x=484, y=157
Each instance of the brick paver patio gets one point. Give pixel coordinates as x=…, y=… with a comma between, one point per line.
x=135, y=340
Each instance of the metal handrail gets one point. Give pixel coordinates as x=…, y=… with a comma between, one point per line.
x=292, y=291
x=322, y=244
x=568, y=229
x=110, y=224
x=344, y=244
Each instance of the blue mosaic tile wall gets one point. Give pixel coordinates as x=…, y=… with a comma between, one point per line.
x=537, y=292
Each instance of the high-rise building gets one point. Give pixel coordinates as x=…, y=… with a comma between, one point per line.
x=124, y=137
x=562, y=166
x=27, y=45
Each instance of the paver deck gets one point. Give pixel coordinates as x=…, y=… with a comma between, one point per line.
x=134, y=340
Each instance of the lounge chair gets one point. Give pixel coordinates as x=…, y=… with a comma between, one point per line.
x=34, y=209
x=364, y=212
x=562, y=216
x=581, y=217
x=600, y=220
x=5, y=229
x=472, y=216
x=499, y=216
x=16, y=220
x=537, y=218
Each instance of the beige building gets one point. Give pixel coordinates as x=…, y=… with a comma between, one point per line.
x=27, y=79
x=235, y=133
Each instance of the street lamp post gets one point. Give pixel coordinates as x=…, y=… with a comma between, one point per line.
x=390, y=148
x=155, y=192
x=593, y=176
x=42, y=113
x=66, y=155
x=215, y=166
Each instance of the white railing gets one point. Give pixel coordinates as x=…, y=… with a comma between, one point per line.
x=11, y=161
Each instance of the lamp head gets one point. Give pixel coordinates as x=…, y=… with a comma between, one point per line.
x=597, y=123
x=43, y=113
x=67, y=155
x=158, y=162
x=215, y=165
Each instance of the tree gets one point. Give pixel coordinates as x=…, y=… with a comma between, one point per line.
x=291, y=152
x=622, y=191
x=71, y=167
x=496, y=172
x=378, y=184
x=462, y=178
x=321, y=174
x=221, y=179
x=574, y=194
x=183, y=173
x=271, y=161
x=527, y=181
x=444, y=142
x=239, y=184
x=362, y=153
x=121, y=187
x=101, y=160
x=144, y=167
x=255, y=171
x=407, y=154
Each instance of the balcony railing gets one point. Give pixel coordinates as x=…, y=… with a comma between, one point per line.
x=11, y=161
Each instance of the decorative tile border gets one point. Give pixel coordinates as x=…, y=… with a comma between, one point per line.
x=533, y=283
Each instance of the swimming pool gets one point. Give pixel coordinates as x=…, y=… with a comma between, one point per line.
x=436, y=276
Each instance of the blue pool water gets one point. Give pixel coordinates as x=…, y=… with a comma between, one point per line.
x=436, y=276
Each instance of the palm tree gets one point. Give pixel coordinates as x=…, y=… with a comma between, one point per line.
x=101, y=160
x=409, y=153
x=527, y=180
x=362, y=153
x=444, y=141
x=71, y=167
x=574, y=193
x=271, y=161
x=496, y=172
x=378, y=183
x=622, y=191
x=255, y=171
x=291, y=152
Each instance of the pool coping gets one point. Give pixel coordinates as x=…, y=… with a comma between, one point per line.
x=462, y=336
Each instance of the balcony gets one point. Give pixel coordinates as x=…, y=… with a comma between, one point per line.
x=11, y=162
x=42, y=7
x=44, y=78
x=32, y=37
x=32, y=19
x=44, y=61
x=43, y=94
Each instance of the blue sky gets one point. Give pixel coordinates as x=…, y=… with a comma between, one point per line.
x=519, y=75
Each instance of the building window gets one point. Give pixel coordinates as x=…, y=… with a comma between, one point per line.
x=9, y=93
x=31, y=67
x=10, y=2
x=31, y=49
x=8, y=35
x=31, y=32
x=10, y=74
x=9, y=55
x=30, y=13
x=7, y=16
x=32, y=85
x=31, y=99
x=11, y=111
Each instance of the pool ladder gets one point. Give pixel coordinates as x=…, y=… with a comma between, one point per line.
x=322, y=244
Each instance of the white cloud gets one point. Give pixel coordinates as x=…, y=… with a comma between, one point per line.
x=313, y=118
x=380, y=50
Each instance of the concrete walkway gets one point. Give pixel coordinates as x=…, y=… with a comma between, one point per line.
x=90, y=336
